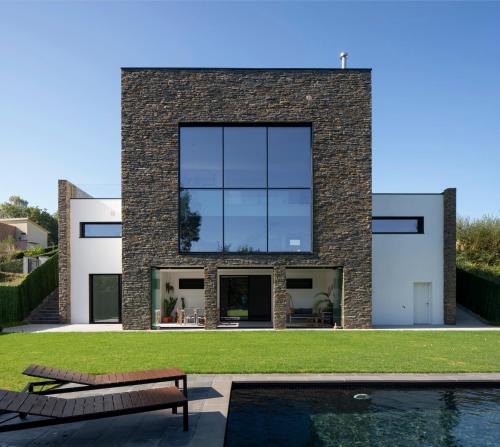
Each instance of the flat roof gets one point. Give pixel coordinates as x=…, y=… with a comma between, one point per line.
x=244, y=69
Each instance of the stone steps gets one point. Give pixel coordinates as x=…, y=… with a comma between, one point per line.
x=47, y=311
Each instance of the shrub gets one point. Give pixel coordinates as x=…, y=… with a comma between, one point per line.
x=12, y=266
x=35, y=251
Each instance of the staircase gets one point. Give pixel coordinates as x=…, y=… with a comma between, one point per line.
x=47, y=311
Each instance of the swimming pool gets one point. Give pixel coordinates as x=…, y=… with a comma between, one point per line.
x=381, y=415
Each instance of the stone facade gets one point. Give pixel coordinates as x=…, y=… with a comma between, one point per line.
x=279, y=297
x=337, y=104
x=449, y=261
x=66, y=192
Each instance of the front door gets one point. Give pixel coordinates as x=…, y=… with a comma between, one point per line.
x=245, y=297
x=422, y=302
x=105, y=298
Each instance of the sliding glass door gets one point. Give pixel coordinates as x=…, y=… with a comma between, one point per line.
x=105, y=298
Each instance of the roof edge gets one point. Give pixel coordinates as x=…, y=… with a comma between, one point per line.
x=243, y=69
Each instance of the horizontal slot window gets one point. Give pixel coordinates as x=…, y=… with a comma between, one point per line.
x=191, y=283
x=100, y=229
x=299, y=283
x=397, y=225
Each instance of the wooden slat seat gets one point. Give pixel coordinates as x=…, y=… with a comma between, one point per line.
x=58, y=410
x=61, y=376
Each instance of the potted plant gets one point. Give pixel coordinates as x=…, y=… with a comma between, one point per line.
x=168, y=307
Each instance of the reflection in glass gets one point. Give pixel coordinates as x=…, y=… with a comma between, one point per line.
x=104, y=229
x=200, y=226
x=201, y=157
x=394, y=225
x=289, y=220
x=245, y=157
x=245, y=220
x=289, y=155
x=105, y=298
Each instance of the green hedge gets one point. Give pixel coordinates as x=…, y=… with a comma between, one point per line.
x=12, y=266
x=479, y=295
x=16, y=302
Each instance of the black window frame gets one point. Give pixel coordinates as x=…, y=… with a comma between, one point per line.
x=82, y=230
x=299, y=283
x=419, y=219
x=267, y=188
x=191, y=283
x=91, y=298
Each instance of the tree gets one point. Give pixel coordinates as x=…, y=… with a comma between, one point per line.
x=190, y=222
x=16, y=206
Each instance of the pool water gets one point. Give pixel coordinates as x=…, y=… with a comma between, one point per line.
x=393, y=416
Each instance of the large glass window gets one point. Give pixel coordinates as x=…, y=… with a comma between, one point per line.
x=200, y=228
x=201, y=157
x=245, y=223
x=245, y=189
x=290, y=220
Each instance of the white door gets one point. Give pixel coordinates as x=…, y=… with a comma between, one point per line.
x=422, y=302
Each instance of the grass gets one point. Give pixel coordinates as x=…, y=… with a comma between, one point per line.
x=252, y=352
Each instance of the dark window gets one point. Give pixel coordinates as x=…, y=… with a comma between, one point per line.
x=397, y=225
x=299, y=283
x=105, y=298
x=100, y=229
x=245, y=189
x=191, y=283
x=201, y=157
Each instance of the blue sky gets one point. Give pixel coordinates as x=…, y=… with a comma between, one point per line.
x=436, y=83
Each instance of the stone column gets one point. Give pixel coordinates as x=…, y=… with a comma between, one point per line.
x=280, y=297
x=449, y=255
x=357, y=298
x=211, y=311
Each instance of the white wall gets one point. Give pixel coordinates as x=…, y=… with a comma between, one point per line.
x=194, y=298
x=304, y=298
x=399, y=260
x=89, y=256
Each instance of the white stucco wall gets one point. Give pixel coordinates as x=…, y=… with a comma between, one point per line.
x=90, y=256
x=400, y=260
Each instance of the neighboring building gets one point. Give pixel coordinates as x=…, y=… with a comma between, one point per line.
x=28, y=234
x=248, y=192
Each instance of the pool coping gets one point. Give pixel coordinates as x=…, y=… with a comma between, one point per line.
x=212, y=431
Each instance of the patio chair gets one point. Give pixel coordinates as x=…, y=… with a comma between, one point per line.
x=191, y=315
x=200, y=313
x=58, y=377
x=52, y=410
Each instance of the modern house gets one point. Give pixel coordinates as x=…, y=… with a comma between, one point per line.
x=247, y=195
x=27, y=234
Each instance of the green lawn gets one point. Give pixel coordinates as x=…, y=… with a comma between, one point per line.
x=252, y=352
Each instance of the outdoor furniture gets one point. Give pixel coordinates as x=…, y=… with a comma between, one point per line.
x=200, y=316
x=58, y=410
x=57, y=377
x=304, y=315
x=191, y=315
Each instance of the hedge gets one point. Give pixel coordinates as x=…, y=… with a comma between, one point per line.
x=479, y=295
x=12, y=266
x=17, y=302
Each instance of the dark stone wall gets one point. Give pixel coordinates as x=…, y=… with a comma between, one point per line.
x=337, y=103
x=449, y=245
x=66, y=192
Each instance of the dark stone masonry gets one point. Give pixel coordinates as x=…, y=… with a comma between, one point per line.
x=337, y=104
x=449, y=261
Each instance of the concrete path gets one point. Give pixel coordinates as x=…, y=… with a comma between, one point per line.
x=466, y=320
x=208, y=408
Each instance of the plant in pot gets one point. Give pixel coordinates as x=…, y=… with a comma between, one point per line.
x=168, y=304
x=168, y=307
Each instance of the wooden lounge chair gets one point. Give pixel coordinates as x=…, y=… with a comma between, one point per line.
x=52, y=410
x=57, y=377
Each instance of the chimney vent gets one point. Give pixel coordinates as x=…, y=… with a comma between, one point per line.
x=343, y=59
